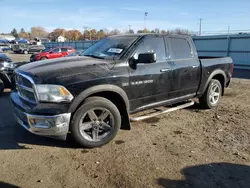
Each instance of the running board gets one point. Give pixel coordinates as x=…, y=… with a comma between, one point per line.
x=140, y=118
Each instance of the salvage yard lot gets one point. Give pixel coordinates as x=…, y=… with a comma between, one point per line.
x=178, y=149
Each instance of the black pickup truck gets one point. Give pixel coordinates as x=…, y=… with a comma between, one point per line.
x=93, y=95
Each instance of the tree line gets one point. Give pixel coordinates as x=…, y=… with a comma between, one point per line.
x=87, y=34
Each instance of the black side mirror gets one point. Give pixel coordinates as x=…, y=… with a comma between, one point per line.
x=147, y=58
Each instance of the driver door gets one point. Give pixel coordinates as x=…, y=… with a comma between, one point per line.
x=148, y=81
x=55, y=53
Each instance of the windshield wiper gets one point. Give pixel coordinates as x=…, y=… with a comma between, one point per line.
x=95, y=56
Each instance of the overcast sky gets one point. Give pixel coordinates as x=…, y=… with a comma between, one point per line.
x=164, y=14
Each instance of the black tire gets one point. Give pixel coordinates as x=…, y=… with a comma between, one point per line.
x=205, y=101
x=92, y=103
x=1, y=86
x=43, y=58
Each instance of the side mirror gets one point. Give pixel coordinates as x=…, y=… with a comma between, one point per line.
x=147, y=58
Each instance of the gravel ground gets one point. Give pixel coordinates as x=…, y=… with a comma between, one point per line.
x=19, y=57
x=187, y=148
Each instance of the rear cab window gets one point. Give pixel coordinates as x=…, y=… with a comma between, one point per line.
x=180, y=48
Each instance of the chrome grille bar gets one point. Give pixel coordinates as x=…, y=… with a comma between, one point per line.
x=26, y=87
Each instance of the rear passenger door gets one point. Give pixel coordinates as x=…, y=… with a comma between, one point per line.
x=185, y=67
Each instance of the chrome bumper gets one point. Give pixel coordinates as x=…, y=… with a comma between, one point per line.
x=56, y=126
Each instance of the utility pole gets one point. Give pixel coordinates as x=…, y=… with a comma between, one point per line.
x=87, y=29
x=200, y=27
x=129, y=28
x=228, y=29
x=145, y=17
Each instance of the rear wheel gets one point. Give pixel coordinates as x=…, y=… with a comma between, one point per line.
x=96, y=122
x=25, y=52
x=1, y=86
x=212, y=95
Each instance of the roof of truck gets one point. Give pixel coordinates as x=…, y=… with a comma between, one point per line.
x=151, y=34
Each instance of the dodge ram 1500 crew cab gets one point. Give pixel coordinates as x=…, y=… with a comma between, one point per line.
x=93, y=95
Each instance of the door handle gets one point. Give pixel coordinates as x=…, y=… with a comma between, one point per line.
x=194, y=66
x=165, y=69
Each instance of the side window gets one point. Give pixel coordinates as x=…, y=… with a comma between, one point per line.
x=64, y=49
x=152, y=44
x=180, y=48
x=57, y=50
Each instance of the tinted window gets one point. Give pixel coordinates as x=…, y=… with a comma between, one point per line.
x=180, y=48
x=64, y=49
x=152, y=44
x=57, y=50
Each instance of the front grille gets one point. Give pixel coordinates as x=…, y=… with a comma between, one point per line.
x=24, y=87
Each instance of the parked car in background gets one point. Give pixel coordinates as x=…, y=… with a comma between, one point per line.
x=27, y=48
x=6, y=72
x=75, y=53
x=52, y=53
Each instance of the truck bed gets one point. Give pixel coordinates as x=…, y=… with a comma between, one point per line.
x=215, y=64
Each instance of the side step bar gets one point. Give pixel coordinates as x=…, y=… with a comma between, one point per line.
x=140, y=118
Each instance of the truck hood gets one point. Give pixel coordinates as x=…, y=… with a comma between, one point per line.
x=62, y=69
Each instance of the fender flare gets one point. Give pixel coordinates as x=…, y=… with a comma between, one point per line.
x=6, y=80
x=214, y=73
x=96, y=89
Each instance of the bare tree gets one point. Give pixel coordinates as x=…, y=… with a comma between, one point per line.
x=38, y=32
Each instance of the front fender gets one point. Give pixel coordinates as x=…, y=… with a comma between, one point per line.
x=6, y=80
x=96, y=89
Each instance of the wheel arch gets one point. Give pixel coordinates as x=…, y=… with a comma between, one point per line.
x=6, y=80
x=111, y=92
x=218, y=75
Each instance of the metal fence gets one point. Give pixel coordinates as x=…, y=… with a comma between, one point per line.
x=79, y=45
x=235, y=46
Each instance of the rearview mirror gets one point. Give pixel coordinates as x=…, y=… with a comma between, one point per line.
x=147, y=58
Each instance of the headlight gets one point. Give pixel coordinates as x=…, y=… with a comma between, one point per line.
x=53, y=93
x=8, y=65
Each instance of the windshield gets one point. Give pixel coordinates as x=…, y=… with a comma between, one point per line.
x=110, y=47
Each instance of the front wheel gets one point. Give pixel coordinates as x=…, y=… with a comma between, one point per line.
x=43, y=58
x=96, y=122
x=212, y=95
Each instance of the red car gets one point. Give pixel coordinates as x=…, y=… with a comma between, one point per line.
x=52, y=53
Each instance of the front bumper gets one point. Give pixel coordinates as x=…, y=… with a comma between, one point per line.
x=54, y=126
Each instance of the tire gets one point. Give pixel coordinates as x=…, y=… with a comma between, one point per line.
x=1, y=86
x=105, y=128
x=25, y=52
x=43, y=58
x=206, y=100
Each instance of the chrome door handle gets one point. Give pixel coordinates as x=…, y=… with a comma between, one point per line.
x=165, y=69
x=194, y=66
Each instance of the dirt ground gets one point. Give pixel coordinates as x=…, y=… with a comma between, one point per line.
x=187, y=148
